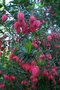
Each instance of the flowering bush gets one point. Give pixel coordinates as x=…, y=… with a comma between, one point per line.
x=30, y=58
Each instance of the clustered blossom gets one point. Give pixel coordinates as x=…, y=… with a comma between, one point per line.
x=9, y=78
x=50, y=76
x=34, y=70
x=24, y=82
x=36, y=43
x=22, y=26
x=51, y=36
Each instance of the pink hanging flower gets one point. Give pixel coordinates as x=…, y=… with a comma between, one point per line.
x=54, y=35
x=2, y=86
x=54, y=81
x=36, y=24
x=54, y=72
x=18, y=30
x=32, y=77
x=12, y=78
x=35, y=71
x=59, y=63
x=0, y=43
x=48, y=45
x=50, y=77
x=33, y=63
x=6, y=77
x=16, y=25
x=0, y=53
x=34, y=80
x=49, y=38
x=23, y=24
x=26, y=66
x=24, y=82
x=32, y=28
x=11, y=56
x=56, y=46
x=49, y=56
x=4, y=17
x=45, y=73
x=16, y=59
x=32, y=19
x=55, y=67
x=33, y=86
x=34, y=45
x=20, y=16
x=0, y=72
x=43, y=21
x=42, y=56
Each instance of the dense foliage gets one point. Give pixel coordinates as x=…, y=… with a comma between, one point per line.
x=29, y=46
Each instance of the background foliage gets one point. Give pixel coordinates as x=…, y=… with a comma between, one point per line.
x=48, y=12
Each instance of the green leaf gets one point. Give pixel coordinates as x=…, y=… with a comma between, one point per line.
x=28, y=47
x=41, y=62
x=0, y=5
x=19, y=1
